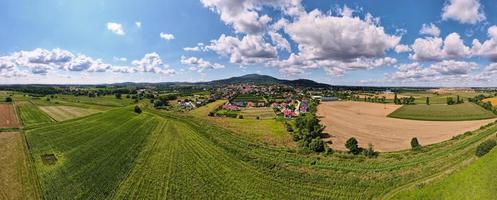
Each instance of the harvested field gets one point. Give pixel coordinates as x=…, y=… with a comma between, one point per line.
x=368, y=122
x=8, y=117
x=61, y=113
x=441, y=112
x=492, y=100
x=16, y=178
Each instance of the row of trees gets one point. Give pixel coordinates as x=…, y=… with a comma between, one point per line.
x=404, y=100
x=353, y=146
x=478, y=100
x=452, y=101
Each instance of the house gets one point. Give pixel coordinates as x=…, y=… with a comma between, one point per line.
x=288, y=113
x=261, y=104
x=304, y=104
x=231, y=107
x=186, y=105
x=250, y=104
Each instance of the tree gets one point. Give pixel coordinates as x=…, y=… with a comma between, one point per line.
x=352, y=145
x=395, y=99
x=369, y=152
x=118, y=95
x=427, y=100
x=450, y=101
x=415, y=144
x=316, y=145
x=138, y=109
x=8, y=99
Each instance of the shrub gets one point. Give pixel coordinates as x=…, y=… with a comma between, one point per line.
x=118, y=95
x=316, y=145
x=257, y=117
x=240, y=116
x=352, y=145
x=8, y=99
x=485, y=147
x=369, y=152
x=415, y=144
x=138, y=109
x=211, y=114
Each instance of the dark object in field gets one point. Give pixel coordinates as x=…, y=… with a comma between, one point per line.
x=485, y=147
x=138, y=109
x=49, y=159
x=415, y=144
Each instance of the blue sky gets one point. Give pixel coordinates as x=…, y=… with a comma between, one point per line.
x=339, y=42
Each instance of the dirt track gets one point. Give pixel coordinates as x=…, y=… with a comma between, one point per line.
x=368, y=123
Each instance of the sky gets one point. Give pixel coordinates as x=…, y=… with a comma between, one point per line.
x=449, y=43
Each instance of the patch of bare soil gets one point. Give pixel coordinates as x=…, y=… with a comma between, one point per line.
x=368, y=123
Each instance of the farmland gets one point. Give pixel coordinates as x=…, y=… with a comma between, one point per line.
x=261, y=112
x=492, y=100
x=30, y=114
x=441, y=112
x=368, y=122
x=473, y=182
x=8, y=117
x=61, y=113
x=17, y=180
x=159, y=154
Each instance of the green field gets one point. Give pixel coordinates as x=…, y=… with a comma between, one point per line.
x=441, y=112
x=474, y=182
x=261, y=112
x=31, y=115
x=61, y=113
x=119, y=154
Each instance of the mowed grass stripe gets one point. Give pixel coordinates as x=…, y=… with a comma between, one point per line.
x=31, y=115
x=62, y=113
x=441, y=112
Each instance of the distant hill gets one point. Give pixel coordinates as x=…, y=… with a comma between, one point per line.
x=265, y=79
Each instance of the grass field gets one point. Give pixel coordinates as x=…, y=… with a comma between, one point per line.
x=61, y=113
x=8, y=117
x=440, y=112
x=492, y=100
x=30, y=114
x=17, y=180
x=261, y=112
x=119, y=154
x=474, y=182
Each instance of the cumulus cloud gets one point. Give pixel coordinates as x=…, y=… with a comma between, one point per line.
x=243, y=15
x=250, y=49
x=138, y=24
x=120, y=59
x=166, y=36
x=42, y=61
x=463, y=11
x=199, y=64
x=280, y=41
x=440, y=71
x=402, y=48
x=115, y=28
x=489, y=47
x=436, y=49
x=430, y=30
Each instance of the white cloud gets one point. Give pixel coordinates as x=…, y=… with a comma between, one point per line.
x=280, y=41
x=42, y=61
x=401, y=48
x=489, y=47
x=191, y=49
x=434, y=49
x=166, y=36
x=250, y=50
x=441, y=71
x=243, y=15
x=320, y=36
x=463, y=11
x=199, y=64
x=430, y=30
x=115, y=28
x=138, y=24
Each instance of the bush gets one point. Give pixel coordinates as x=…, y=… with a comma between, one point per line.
x=8, y=99
x=316, y=145
x=240, y=116
x=415, y=144
x=369, y=152
x=211, y=114
x=118, y=95
x=257, y=117
x=352, y=146
x=138, y=109
x=485, y=147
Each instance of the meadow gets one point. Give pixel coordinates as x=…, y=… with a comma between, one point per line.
x=61, y=113
x=120, y=154
x=30, y=114
x=442, y=112
x=258, y=112
x=474, y=182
